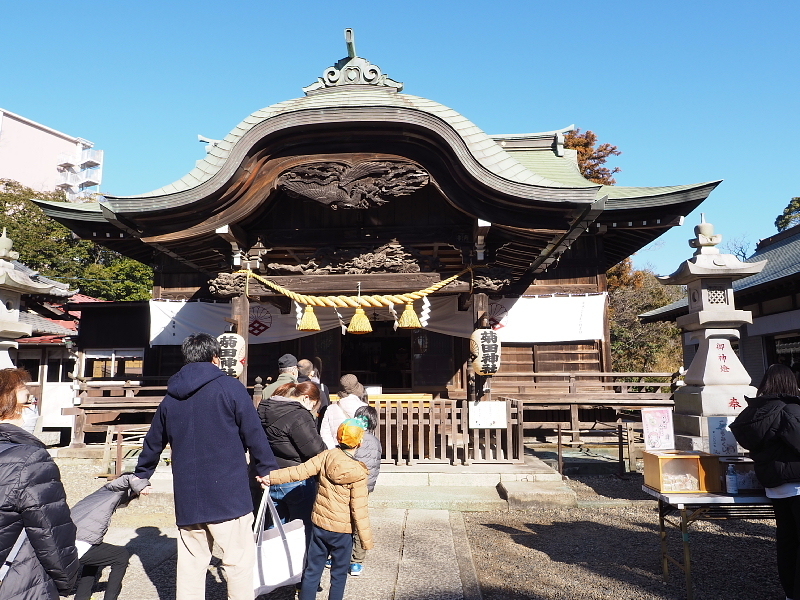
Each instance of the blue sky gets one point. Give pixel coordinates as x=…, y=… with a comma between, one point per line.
x=689, y=91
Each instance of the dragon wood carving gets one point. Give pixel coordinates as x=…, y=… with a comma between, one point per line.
x=389, y=258
x=340, y=185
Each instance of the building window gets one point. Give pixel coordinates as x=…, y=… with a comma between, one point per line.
x=31, y=365
x=58, y=369
x=784, y=349
x=67, y=367
x=53, y=370
x=117, y=363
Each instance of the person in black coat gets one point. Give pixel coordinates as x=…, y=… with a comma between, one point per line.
x=92, y=516
x=209, y=421
x=769, y=427
x=292, y=432
x=31, y=499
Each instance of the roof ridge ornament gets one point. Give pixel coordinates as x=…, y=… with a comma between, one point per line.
x=352, y=70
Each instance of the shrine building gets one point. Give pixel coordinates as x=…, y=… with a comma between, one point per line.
x=361, y=192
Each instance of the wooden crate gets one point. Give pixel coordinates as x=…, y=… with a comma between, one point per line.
x=680, y=471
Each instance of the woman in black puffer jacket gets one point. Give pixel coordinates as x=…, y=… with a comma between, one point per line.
x=769, y=427
x=292, y=433
x=31, y=498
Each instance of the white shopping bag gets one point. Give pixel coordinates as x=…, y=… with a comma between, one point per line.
x=280, y=552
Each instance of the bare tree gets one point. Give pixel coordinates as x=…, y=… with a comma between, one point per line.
x=739, y=246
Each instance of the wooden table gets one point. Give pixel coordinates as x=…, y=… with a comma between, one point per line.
x=701, y=506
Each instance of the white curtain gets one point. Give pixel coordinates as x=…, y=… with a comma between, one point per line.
x=525, y=320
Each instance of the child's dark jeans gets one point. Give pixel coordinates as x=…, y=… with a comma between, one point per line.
x=323, y=544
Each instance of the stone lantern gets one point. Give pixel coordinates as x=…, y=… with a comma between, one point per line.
x=716, y=381
x=13, y=284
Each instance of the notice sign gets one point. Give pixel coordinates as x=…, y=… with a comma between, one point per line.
x=488, y=414
x=720, y=437
x=658, y=431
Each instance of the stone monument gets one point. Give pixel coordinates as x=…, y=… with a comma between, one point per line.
x=13, y=284
x=716, y=381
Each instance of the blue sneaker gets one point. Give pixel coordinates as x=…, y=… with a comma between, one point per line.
x=356, y=569
x=328, y=563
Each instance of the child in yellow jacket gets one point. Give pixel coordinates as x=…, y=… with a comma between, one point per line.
x=341, y=504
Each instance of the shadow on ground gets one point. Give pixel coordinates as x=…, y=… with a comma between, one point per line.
x=549, y=556
x=626, y=487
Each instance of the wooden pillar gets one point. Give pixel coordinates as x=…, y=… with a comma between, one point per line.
x=240, y=315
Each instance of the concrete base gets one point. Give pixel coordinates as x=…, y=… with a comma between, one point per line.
x=522, y=495
x=454, y=498
x=691, y=442
x=49, y=438
x=712, y=399
x=475, y=475
x=92, y=452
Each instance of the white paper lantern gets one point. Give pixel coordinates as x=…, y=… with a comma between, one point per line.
x=231, y=353
x=485, y=348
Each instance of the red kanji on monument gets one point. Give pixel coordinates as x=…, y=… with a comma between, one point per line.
x=724, y=368
x=734, y=403
x=723, y=358
x=720, y=346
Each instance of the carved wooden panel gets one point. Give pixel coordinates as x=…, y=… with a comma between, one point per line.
x=361, y=186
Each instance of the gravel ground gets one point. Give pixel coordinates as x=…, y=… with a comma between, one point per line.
x=610, y=550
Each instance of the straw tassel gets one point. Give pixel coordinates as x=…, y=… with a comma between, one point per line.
x=359, y=323
x=409, y=319
x=309, y=321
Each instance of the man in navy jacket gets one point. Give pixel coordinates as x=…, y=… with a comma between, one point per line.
x=209, y=421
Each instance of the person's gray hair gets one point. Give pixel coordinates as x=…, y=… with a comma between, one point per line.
x=200, y=347
x=288, y=370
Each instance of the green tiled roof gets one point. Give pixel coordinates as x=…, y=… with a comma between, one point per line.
x=88, y=211
x=485, y=150
x=564, y=170
x=547, y=164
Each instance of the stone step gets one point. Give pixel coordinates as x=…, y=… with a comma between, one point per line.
x=522, y=495
x=454, y=498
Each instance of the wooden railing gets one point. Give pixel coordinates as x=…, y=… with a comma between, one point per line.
x=645, y=385
x=551, y=393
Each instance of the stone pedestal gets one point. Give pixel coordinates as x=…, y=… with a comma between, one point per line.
x=716, y=381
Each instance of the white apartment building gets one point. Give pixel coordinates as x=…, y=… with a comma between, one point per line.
x=46, y=160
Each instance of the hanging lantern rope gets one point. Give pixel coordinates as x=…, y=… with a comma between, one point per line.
x=375, y=301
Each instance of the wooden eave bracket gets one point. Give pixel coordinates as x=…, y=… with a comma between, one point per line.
x=120, y=222
x=559, y=245
x=237, y=238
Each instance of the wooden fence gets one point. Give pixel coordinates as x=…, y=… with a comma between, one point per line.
x=416, y=428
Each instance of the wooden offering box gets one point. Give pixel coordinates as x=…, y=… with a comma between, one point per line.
x=682, y=471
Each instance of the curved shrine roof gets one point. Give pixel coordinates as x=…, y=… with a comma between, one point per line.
x=526, y=185
x=485, y=150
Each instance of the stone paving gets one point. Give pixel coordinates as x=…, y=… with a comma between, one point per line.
x=418, y=554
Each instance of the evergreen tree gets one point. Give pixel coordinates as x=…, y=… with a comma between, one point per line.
x=51, y=249
x=790, y=215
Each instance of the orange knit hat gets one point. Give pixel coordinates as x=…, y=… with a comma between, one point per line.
x=351, y=433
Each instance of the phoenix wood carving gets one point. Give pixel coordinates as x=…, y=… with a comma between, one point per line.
x=364, y=185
